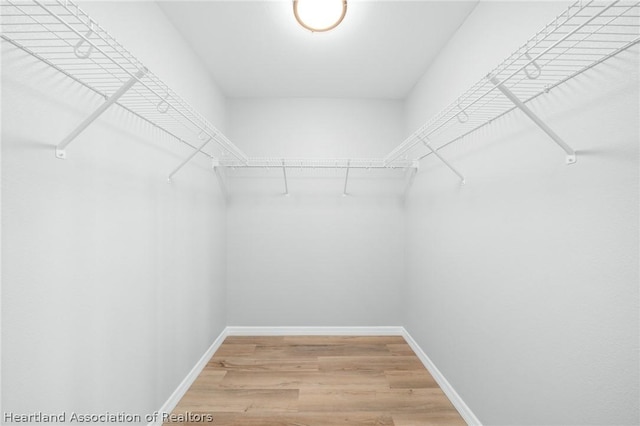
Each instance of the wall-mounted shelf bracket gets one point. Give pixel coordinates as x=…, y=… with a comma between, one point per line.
x=571, y=154
x=413, y=171
x=284, y=172
x=441, y=158
x=60, y=149
x=346, y=179
x=219, y=171
x=186, y=160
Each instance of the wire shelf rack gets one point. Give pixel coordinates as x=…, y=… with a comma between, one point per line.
x=63, y=36
x=586, y=34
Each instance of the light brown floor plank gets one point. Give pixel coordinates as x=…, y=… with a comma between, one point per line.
x=239, y=363
x=437, y=418
x=298, y=380
x=316, y=350
x=235, y=349
x=208, y=378
x=370, y=363
x=400, y=349
x=315, y=419
x=254, y=340
x=410, y=379
x=337, y=340
x=240, y=400
x=398, y=400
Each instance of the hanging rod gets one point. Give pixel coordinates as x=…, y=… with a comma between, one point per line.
x=583, y=36
x=316, y=163
x=66, y=38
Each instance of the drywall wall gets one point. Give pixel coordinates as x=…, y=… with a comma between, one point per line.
x=113, y=284
x=522, y=285
x=315, y=258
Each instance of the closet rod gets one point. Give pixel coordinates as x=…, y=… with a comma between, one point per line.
x=317, y=163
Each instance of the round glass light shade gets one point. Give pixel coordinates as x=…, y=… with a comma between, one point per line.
x=319, y=15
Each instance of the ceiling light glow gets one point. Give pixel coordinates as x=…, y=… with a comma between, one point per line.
x=319, y=15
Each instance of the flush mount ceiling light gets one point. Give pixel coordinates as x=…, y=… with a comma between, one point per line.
x=319, y=15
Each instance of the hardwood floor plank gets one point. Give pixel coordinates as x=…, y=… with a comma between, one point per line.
x=299, y=380
x=419, y=379
x=208, y=378
x=257, y=364
x=235, y=349
x=278, y=419
x=396, y=400
x=254, y=340
x=439, y=418
x=316, y=350
x=320, y=419
x=337, y=340
x=400, y=349
x=370, y=363
x=240, y=400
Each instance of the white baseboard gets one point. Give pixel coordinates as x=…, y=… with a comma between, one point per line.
x=446, y=387
x=182, y=388
x=314, y=331
x=444, y=384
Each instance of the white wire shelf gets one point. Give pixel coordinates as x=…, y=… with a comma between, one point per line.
x=63, y=36
x=586, y=34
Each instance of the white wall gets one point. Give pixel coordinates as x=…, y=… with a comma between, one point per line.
x=315, y=258
x=113, y=280
x=522, y=285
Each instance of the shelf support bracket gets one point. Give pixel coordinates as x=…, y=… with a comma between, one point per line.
x=284, y=172
x=441, y=158
x=571, y=154
x=221, y=178
x=346, y=179
x=412, y=176
x=60, y=149
x=186, y=160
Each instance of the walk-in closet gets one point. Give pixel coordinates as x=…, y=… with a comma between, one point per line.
x=320, y=212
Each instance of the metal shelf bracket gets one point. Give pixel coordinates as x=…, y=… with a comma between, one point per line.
x=60, y=149
x=446, y=163
x=186, y=160
x=219, y=172
x=346, y=179
x=284, y=172
x=571, y=154
x=413, y=171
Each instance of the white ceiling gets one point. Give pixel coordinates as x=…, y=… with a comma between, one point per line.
x=256, y=48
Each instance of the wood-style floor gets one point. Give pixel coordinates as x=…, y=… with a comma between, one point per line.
x=317, y=380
